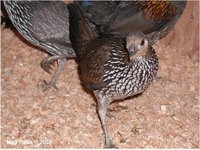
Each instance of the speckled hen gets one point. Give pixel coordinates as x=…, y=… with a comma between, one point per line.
x=112, y=67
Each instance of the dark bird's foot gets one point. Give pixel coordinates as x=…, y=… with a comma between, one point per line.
x=46, y=65
x=46, y=85
x=109, y=114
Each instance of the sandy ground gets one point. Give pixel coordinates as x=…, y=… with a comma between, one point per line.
x=164, y=116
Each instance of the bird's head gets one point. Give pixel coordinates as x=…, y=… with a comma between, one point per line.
x=136, y=44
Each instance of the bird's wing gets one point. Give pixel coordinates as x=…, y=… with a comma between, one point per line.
x=50, y=20
x=128, y=16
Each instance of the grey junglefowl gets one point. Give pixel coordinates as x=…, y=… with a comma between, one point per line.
x=112, y=67
x=46, y=25
x=154, y=18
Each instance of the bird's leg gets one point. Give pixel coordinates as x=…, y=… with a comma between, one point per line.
x=48, y=61
x=46, y=65
x=103, y=104
x=6, y=23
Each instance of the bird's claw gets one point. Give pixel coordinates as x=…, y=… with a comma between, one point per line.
x=47, y=85
x=109, y=114
x=110, y=145
x=47, y=65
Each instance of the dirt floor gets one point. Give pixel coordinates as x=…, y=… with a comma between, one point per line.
x=166, y=115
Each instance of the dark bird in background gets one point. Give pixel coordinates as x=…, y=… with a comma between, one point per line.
x=46, y=25
x=113, y=67
x=154, y=18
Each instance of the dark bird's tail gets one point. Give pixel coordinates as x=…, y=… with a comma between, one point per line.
x=81, y=33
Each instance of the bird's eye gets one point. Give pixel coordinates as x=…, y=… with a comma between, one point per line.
x=142, y=42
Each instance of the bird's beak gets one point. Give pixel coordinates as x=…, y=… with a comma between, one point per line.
x=132, y=51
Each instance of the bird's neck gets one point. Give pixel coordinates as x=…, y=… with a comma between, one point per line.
x=147, y=54
x=150, y=53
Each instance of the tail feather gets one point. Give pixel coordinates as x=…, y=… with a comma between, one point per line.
x=80, y=31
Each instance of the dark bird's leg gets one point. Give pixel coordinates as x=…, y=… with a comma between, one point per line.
x=103, y=104
x=46, y=65
x=48, y=61
x=6, y=23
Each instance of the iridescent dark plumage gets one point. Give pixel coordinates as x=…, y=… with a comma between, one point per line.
x=154, y=18
x=44, y=24
x=112, y=67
